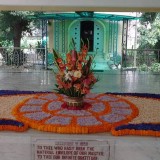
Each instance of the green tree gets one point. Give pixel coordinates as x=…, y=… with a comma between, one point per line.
x=148, y=17
x=14, y=25
x=149, y=30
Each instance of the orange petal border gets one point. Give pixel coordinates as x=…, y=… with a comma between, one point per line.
x=73, y=128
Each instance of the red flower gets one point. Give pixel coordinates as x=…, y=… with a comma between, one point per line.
x=69, y=66
x=68, y=57
x=77, y=86
x=67, y=85
x=74, y=77
x=59, y=60
x=84, y=49
x=79, y=66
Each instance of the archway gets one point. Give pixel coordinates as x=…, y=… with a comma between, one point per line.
x=93, y=30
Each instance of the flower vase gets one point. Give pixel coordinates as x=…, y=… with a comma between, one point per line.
x=74, y=102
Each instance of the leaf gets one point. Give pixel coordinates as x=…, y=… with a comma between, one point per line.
x=56, y=55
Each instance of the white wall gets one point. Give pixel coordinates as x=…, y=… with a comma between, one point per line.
x=85, y=3
x=96, y=5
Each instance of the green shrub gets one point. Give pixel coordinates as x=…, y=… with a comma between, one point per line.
x=155, y=67
x=143, y=67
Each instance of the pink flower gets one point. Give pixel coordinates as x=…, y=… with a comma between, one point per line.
x=85, y=90
x=87, y=82
x=74, y=55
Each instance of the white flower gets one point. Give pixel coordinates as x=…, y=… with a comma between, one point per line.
x=77, y=74
x=68, y=75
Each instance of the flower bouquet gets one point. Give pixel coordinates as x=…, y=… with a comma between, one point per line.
x=75, y=77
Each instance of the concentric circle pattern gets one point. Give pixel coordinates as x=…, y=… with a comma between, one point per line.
x=45, y=112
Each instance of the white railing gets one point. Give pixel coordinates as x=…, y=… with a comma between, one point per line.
x=24, y=57
x=136, y=58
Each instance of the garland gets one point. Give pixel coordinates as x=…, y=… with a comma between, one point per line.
x=118, y=128
x=143, y=129
x=90, y=120
x=12, y=125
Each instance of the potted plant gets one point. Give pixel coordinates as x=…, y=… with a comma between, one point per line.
x=75, y=77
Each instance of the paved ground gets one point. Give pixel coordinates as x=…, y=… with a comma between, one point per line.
x=18, y=146
x=109, y=81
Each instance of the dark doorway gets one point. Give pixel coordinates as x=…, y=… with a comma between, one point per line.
x=87, y=32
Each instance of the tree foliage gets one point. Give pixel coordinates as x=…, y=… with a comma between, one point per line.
x=13, y=25
x=148, y=17
x=149, y=30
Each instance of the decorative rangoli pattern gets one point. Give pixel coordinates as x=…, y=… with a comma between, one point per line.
x=45, y=112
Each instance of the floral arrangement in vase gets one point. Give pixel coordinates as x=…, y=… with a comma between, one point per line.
x=75, y=77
